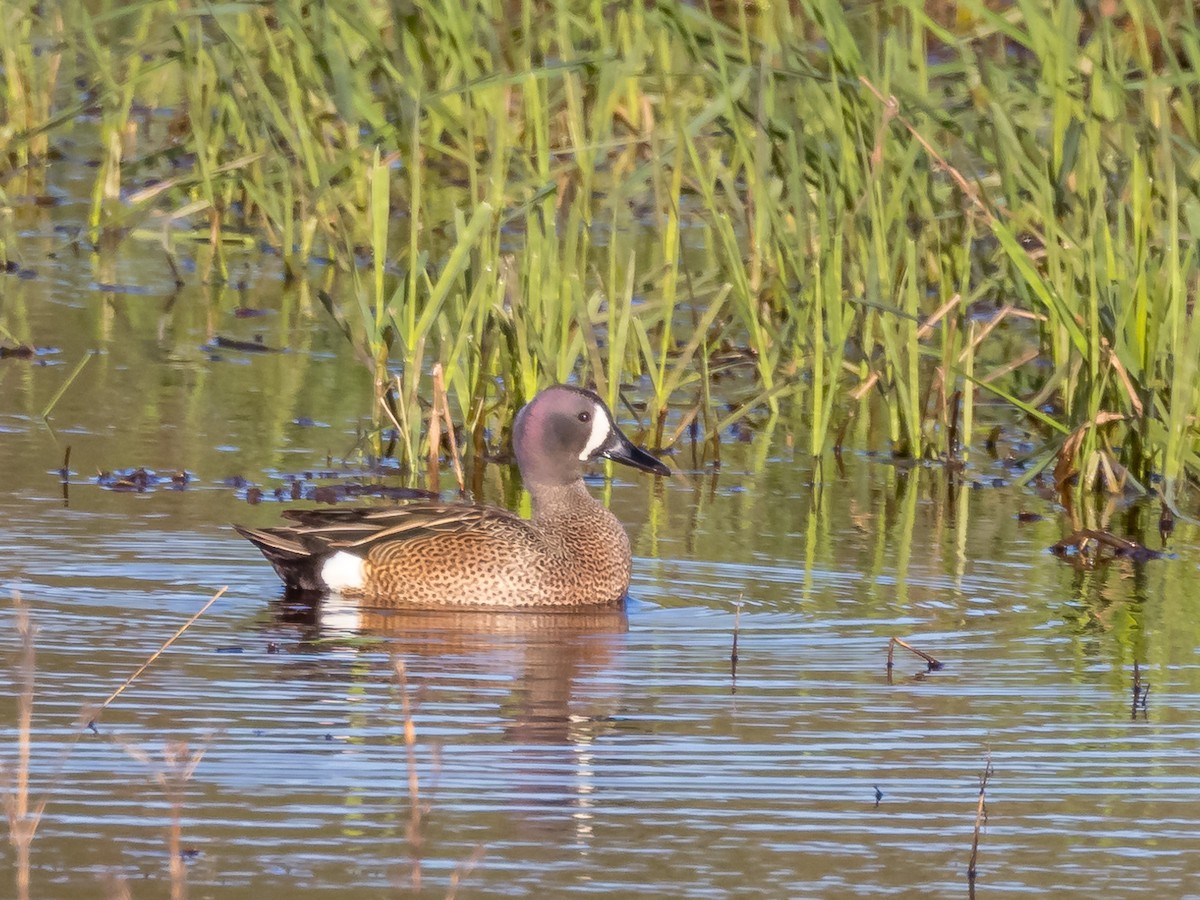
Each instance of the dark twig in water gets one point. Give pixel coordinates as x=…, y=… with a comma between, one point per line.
x=733, y=653
x=65, y=476
x=980, y=818
x=931, y=662
x=1166, y=523
x=1141, y=693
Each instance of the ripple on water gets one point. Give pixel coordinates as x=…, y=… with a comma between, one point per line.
x=620, y=756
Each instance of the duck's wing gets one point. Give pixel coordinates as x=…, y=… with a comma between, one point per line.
x=360, y=528
x=297, y=550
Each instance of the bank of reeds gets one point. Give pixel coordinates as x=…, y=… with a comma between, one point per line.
x=872, y=214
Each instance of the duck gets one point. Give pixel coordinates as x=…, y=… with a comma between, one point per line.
x=571, y=553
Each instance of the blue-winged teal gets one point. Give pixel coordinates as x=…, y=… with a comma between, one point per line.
x=572, y=553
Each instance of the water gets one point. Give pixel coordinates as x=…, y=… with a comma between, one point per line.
x=613, y=754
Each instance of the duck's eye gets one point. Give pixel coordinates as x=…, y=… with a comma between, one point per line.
x=585, y=417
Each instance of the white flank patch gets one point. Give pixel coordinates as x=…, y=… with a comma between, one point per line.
x=600, y=432
x=343, y=572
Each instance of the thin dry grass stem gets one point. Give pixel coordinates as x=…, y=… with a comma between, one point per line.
x=1123, y=374
x=980, y=817
x=923, y=332
x=21, y=825
x=465, y=868
x=1012, y=365
x=179, y=763
x=988, y=327
x=413, y=833
x=386, y=407
x=180, y=766
x=685, y=423
x=930, y=661
x=157, y=653
x=891, y=108
x=926, y=327
x=441, y=408
x=23, y=822
x=891, y=103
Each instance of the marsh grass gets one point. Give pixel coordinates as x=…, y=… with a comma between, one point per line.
x=885, y=209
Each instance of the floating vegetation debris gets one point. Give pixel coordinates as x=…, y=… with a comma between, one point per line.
x=142, y=480
x=932, y=664
x=1088, y=547
x=258, y=345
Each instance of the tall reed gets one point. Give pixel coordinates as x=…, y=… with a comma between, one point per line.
x=882, y=208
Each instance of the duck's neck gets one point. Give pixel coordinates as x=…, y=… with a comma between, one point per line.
x=552, y=501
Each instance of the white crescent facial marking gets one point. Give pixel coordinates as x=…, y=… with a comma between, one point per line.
x=343, y=572
x=601, y=429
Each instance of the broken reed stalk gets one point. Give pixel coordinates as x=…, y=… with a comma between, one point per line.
x=414, y=796
x=931, y=662
x=980, y=816
x=157, y=653
x=21, y=825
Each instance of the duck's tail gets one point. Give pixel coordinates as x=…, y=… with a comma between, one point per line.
x=298, y=565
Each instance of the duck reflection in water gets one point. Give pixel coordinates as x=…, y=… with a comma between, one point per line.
x=546, y=671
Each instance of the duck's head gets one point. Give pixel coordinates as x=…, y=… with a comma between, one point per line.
x=564, y=427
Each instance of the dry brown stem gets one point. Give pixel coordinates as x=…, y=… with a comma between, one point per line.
x=980, y=816
x=157, y=653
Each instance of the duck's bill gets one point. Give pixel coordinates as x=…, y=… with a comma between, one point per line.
x=620, y=449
